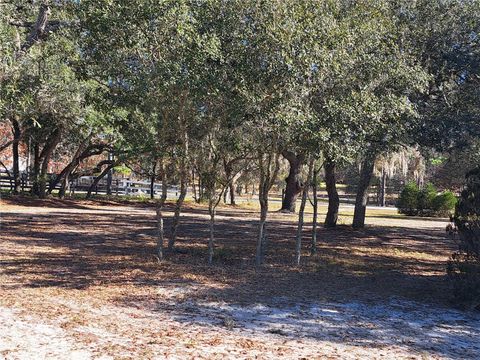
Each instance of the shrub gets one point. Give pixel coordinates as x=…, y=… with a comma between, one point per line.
x=464, y=265
x=426, y=197
x=444, y=203
x=425, y=202
x=408, y=199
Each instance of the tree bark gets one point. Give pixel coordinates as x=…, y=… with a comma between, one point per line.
x=38, y=29
x=267, y=178
x=194, y=187
x=231, y=188
x=159, y=212
x=228, y=168
x=45, y=156
x=362, y=191
x=36, y=168
x=15, y=152
x=298, y=240
x=81, y=154
x=110, y=175
x=65, y=186
x=176, y=215
x=92, y=187
x=211, y=239
x=293, y=184
x=261, y=241
x=153, y=176
x=313, y=248
x=333, y=199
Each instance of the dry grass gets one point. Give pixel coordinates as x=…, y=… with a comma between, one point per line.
x=58, y=255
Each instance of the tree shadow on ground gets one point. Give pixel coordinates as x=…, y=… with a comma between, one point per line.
x=78, y=251
x=72, y=250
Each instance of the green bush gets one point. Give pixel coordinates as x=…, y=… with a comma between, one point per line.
x=444, y=203
x=426, y=197
x=464, y=265
x=408, y=200
x=425, y=202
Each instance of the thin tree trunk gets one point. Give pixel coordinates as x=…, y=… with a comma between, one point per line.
x=152, y=180
x=301, y=212
x=36, y=169
x=228, y=167
x=183, y=187
x=313, y=248
x=293, y=184
x=261, y=241
x=159, y=212
x=333, y=199
x=15, y=152
x=110, y=176
x=211, y=211
x=267, y=178
x=362, y=191
x=176, y=216
x=98, y=178
x=194, y=187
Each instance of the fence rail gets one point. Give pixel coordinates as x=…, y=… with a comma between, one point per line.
x=83, y=184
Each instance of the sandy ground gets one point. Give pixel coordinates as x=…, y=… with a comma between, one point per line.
x=78, y=281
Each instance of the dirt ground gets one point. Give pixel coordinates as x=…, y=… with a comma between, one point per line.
x=78, y=279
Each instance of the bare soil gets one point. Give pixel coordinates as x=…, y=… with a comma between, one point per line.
x=80, y=279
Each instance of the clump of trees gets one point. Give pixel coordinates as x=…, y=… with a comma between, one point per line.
x=210, y=93
x=464, y=266
x=426, y=201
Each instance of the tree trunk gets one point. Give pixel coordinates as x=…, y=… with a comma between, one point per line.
x=159, y=213
x=262, y=238
x=176, y=216
x=65, y=185
x=15, y=152
x=109, y=176
x=231, y=188
x=293, y=184
x=153, y=176
x=36, y=169
x=362, y=191
x=333, y=199
x=228, y=167
x=45, y=155
x=64, y=175
x=81, y=154
x=211, y=211
x=298, y=240
x=194, y=187
x=225, y=197
x=267, y=178
x=98, y=178
x=313, y=248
